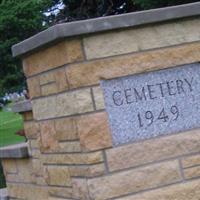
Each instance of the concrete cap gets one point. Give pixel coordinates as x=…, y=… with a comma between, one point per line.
x=65, y=30
x=15, y=151
x=23, y=106
x=4, y=194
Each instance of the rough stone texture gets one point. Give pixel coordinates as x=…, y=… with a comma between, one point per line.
x=90, y=73
x=75, y=158
x=48, y=83
x=183, y=191
x=64, y=192
x=48, y=142
x=48, y=89
x=155, y=149
x=191, y=161
x=94, y=132
x=24, y=172
x=142, y=38
x=34, y=87
x=58, y=175
x=104, y=24
x=34, y=143
x=27, y=191
x=47, y=78
x=134, y=180
x=193, y=172
x=66, y=129
x=9, y=166
x=38, y=169
x=60, y=54
x=69, y=147
x=61, y=79
x=31, y=129
x=65, y=104
x=80, y=190
x=87, y=171
x=98, y=98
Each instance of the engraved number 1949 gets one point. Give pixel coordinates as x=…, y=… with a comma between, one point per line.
x=148, y=118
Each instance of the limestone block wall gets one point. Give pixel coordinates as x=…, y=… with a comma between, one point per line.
x=69, y=135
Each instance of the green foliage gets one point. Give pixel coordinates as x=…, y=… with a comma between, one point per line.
x=19, y=19
x=85, y=9
x=150, y=4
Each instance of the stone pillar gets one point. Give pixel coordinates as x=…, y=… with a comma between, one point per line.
x=73, y=149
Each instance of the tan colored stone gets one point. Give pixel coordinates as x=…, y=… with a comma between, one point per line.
x=48, y=142
x=153, y=150
x=192, y=172
x=89, y=73
x=38, y=169
x=80, y=190
x=44, y=108
x=87, y=171
x=62, y=53
x=94, y=131
x=74, y=158
x=134, y=180
x=191, y=161
x=182, y=191
x=27, y=191
x=61, y=79
x=66, y=129
x=24, y=172
x=98, y=98
x=58, y=176
x=47, y=78
x=74, y=102
x=35, y=153
x=34, y=87
x=69, y=147
x=56, y=198
x=9, y=166
x=31, y=129
x=48, y=89
x=64, y=192
x=142, y=38
x=27, y=116
x=65, y=104
x=34, y=144
x=40, y=181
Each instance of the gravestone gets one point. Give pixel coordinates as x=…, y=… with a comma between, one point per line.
x=152, y=104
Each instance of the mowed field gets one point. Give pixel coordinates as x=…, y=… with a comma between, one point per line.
x=10, y=123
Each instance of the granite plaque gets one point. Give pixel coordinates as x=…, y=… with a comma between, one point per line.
x=152, y=104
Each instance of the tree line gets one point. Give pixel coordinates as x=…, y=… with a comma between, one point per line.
x=20, y=19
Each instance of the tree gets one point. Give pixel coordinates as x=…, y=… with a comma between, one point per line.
x=19, y=19
x=85, y=9
x=150, y=4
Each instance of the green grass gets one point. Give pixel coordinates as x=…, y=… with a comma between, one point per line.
x=10, y=123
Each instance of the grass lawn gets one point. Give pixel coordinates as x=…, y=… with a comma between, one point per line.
x=10, y=123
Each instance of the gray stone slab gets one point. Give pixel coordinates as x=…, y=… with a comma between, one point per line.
x=64, y=30
x=152, y=104
x=23, y=106
x=4, y=194
x=15, y=151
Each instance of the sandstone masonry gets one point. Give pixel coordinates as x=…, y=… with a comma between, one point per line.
x=72, y=155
